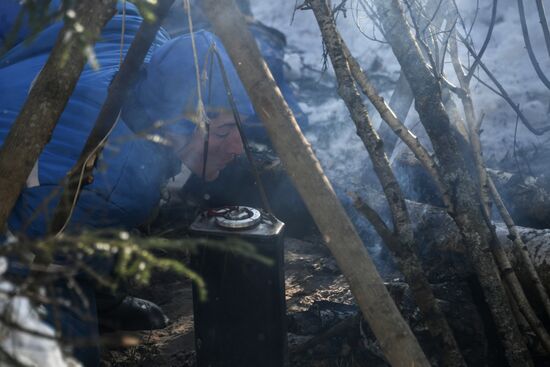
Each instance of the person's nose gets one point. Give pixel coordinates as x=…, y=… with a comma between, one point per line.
x=235, y=143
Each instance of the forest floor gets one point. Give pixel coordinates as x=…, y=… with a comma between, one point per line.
x=312, y=280
x=323, y=322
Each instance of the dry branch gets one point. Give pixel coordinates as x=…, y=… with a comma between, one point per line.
x=544, y=24
x=486, y=189
x=503, y=93
x=402, y=244
x=529, y=47
x=455, y=173
x=520, y=249
x=397, y=126
x=393, y=333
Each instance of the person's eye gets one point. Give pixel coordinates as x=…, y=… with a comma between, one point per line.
x=222, y=131
x=221, y=134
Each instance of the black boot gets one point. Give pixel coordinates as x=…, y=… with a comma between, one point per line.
x=128, y=313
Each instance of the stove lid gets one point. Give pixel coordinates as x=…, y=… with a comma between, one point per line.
x=236, y=217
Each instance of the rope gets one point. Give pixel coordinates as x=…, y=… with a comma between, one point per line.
x=201, y=113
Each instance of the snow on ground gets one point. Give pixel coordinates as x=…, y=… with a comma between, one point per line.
x=342, y=155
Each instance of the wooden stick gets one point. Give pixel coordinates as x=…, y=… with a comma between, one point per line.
x=394, y=335
x=455, y=172
x=520, y=248
x=508, y=273
x=402, y=244
x=544, y=24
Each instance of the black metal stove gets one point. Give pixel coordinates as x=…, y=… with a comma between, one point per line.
x=242, y=323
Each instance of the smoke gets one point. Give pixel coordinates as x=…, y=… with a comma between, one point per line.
x=505, y=57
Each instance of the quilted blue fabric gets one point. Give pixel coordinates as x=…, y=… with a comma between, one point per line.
x=132, y=168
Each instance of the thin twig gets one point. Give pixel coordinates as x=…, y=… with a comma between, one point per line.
x=472, y=121
x=530, y=52
x=505, y=94
x=460, y=18
x=446, y=45
x=473, y=21
x=544, y=24
x=426, y=50
x=432, y=18
x=486, y=41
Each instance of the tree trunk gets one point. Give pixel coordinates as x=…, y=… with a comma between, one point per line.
x=395, y=337
x=46, y=101
x=455, y=173
x=402, y=96
x=402, y=243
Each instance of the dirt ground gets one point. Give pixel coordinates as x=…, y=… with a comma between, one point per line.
x=311, y=277
x=324, y=326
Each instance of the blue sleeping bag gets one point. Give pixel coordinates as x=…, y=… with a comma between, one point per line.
x=132, y=168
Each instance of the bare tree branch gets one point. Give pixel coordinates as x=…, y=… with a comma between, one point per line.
x=520, y=248
x=544, y=24
x=530, y=52
x=402, y=243
x=396, y=339
x=456, y=172
x=503, y=92
x=389, y=117
x=486, y=41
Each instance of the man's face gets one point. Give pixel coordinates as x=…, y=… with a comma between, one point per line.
x=224, y=144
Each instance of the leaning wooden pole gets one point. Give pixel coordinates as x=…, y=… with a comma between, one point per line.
x=46, y=101
x=394, y=335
